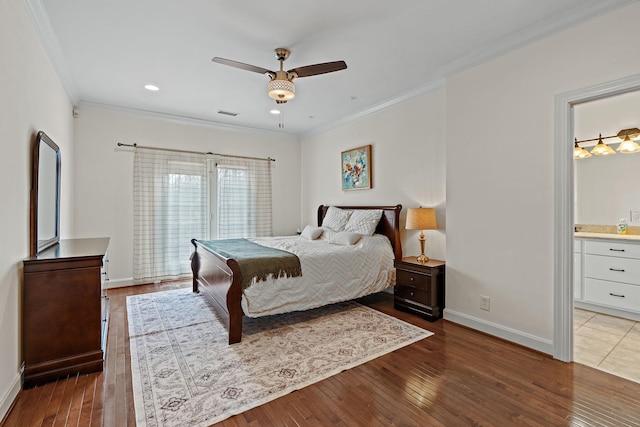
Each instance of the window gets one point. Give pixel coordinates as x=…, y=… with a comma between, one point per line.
x=172, y=206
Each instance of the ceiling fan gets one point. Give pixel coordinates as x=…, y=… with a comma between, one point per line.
x=281, y=87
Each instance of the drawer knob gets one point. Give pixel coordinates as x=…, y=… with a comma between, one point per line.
x=411, y=293
x=616, y=295
x=617, y=269
x=616, y=250
x=411, y=279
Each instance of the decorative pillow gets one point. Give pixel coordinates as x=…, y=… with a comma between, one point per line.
x=327, y=234
x=345, y=238
x=312, y=233
x=364, y=221
x=336, y=218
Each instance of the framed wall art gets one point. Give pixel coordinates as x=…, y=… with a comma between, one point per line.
x=356, y=168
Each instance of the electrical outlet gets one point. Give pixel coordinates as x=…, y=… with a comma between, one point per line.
x=485, y=303
x=634, y=216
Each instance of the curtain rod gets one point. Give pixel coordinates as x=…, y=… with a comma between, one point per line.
x=120, y=144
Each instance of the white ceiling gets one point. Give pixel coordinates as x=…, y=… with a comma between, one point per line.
x=105, y=51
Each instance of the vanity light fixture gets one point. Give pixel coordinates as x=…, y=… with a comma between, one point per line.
x=602, y=149
x=579, y=152
x=626, y=144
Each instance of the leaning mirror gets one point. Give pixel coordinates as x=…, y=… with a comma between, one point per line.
x=45, y=194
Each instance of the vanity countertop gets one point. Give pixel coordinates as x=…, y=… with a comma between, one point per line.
x=588, y=235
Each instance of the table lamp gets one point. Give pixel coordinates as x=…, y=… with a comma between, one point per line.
x=421, y=219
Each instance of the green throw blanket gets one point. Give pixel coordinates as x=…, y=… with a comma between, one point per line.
x=256, y=261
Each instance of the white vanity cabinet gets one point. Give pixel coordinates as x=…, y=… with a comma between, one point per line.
x=577, y=269
x=609, y=278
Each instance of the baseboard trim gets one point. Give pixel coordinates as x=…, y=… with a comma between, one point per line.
x=611, y=311
x=518, y=337
x=9, y=398
x=120, y=283
x=130, y=281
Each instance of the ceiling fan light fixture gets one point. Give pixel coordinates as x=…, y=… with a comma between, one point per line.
x=281, y=90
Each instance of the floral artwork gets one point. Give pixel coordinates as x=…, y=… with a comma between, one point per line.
x=356, y=168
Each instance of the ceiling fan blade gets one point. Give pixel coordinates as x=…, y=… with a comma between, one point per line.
x=243, y=66
x=314, y=70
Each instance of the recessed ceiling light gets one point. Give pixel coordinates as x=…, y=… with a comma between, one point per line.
x=152, y=88
x=275, y=111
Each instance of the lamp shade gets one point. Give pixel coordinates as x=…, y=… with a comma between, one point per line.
x=628, y=145
x=421, y=219
x=579, y=152
x=602, y=149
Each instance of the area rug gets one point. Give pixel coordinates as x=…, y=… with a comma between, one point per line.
x=185, y=373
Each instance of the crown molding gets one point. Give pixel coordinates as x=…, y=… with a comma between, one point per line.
x=42, y=25
x=534, y=33
x=183, y=119
x=428, y=87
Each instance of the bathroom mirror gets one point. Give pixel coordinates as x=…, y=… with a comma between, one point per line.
x=45, y=194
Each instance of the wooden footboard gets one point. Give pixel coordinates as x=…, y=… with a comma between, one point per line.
x=219, y=280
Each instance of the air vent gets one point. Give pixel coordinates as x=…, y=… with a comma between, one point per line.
x=227, y=113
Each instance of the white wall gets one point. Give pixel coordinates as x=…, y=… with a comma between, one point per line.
x=408, y=155
x=606, y=187
x=500, y=172
x=32, y=99
x=104, y=173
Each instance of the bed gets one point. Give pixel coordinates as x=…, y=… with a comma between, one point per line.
x=218, y=277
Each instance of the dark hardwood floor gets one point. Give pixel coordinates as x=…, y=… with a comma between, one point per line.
x=456, y=377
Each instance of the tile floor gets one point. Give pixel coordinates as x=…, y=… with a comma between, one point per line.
x=607, y=343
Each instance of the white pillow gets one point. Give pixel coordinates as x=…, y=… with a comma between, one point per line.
x=312, y=233
x=364, y=221
x=345, y=238
x=336, y=218
x=327, y=234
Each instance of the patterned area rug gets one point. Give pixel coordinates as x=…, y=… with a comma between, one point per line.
x=185, y=373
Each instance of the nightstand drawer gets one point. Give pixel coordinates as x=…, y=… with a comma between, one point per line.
x=409, y=278
x=413, y=294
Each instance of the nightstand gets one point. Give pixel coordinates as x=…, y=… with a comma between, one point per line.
x=420, y=287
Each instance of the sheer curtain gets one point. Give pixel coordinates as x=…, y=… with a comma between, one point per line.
x=172, y=205
x=243, y=202
x=170, y=198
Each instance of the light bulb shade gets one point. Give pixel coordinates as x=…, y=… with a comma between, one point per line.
x=281, y=90
x=579, y=152
x=628, y=145
x=602, y=149
x=421, y=219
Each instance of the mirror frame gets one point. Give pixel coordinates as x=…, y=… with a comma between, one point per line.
x=37, y=245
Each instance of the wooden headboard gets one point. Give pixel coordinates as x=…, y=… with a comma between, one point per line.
x=389, y=224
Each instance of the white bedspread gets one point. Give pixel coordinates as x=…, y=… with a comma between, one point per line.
x=330, y=273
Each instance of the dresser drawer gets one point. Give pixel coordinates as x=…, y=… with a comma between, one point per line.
x=410, y=278
x=613, y=294
x=615, y=269
x=612, y=248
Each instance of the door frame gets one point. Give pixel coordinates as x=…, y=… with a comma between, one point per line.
x=563, y=205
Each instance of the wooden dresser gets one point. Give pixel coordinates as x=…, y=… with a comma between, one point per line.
x=420, y=287
x=65, y=310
